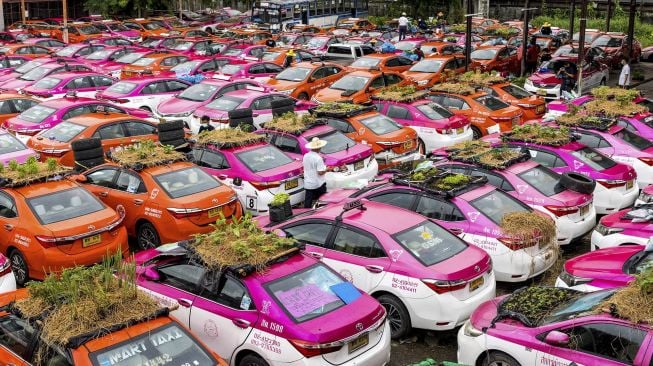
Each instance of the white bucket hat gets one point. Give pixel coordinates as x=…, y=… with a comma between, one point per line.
x=403, y=14
x=315, y=144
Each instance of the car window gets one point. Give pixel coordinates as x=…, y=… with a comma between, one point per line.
x=155, y=88
x=272, y=68
x=186, y=182
x=399, y=112
x=5, y=107
x=257, y=69
x=112, y=131
x=287, y=143
x=547, y=159
x=393, y=62
x=353, y=242
x=438, y=209
x=591, y=140
x=613, y=341
x=543, y=179
x=262, y=103
x=7, y=206
x=16, y=334
x=64, y=205
x=80, y=83
x=430, y=243
x=169, y=61
x=210, y=159
x=136, y=128
x=175, y=86
x=78, y=111
x=340, y=125
x=102, y=177
x=101, y=80
x=183, y=276
x=20, y=105
x=398, y=199
x=130, y=183
x=451, y=65
x=496, y=204
x=232, y=293
x=391, y=79
x=593, y=158
x=377, y=83
x=493, y=179
x=310, y=233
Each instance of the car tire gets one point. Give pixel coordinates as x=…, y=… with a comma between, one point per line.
x=603, y=82
x=19, y=267
x=499, y=359
x=577, y=182
x=147, y=237
x=146, y=108
x=397, y=316
x=86, y=144
x=252, y=360
x=302, y=96
x=476, y=133
x=170, y=126
x=89, y=154
x=89, y=163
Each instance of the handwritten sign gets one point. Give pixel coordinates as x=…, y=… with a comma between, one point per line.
x=302, y=300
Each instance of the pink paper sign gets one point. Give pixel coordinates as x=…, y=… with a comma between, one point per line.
x=302, y=300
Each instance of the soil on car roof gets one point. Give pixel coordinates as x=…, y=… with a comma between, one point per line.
x=442, y=346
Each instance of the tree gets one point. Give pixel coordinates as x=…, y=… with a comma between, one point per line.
x=125, y=7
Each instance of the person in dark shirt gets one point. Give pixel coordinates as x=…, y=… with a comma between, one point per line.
x=205, y=125
x=418, y=51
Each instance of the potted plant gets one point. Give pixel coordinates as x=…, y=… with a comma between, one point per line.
x=280, y=208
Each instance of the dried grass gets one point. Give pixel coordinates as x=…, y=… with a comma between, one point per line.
x=529, y=226
x=607, y=92
x=538, y=134
x=498, y=158
x=397, y=93
x=633, y=302
x=454, y=88
x=468, y=149
x=146, y=153
x=480, y=79
x=229, y=137
x=31, y=171
x=291, y=123
x=612, y=108
x=336, y=107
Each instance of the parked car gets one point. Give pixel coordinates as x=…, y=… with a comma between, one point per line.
x=433, y=69
x=12, y=104
x=7, y=278
x=82, y=84
x=616, y=44
x=258, y=71
x=358, y=86
x=381, y=62
x=304, y=79
x=533, y=106
x=502, y=59
x=31, y=77
x=152, y=64
x=545, y=83
x=143, y=93
x=30, y=51
x=631, y=226
x=343, y=54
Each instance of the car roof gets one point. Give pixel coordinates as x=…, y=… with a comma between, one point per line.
x=72, y=74
x=247, y=93
x=10, y=95
x=92, y=119
x=67, y=102
x=43, y=188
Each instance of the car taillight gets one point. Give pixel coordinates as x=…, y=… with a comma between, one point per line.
x=220, y=120
x=611, y=183
x=29, y=132
x=265, y=185
x=55, y=152
x=51, y=241
x=311, y=349
x=442, y=287
x=560, y=211
x=647, y=161
x=526, y=105
x=339, y=168
x=517, y=243
x=180, y=213
x=444, y=131
x=5, y=267
x=389, y=143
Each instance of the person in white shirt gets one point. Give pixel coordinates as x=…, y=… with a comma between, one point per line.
x=624, y=77
x=403, y=26
x=314, y=171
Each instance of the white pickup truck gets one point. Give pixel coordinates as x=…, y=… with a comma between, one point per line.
x=346, y=53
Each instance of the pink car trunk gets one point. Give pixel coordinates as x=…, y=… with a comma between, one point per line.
x=605, y=266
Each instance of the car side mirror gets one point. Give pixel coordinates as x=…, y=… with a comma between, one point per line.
x=556, y=338
x=237, y=181
x=151, y=274
x=311, y=79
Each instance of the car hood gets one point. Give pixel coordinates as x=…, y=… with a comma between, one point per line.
x=16, y=84
x=544, y=78
x=17, y=124
x=282, y=84
x=333, y=95
x=177, y=105
x=605, y=264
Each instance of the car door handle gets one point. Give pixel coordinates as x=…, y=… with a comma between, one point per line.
x=456, y=230
x=103, y=194
x=9, y=227
x=241, y=323
x=138, y=202
x=184, y=302
x=316, y=255
x=374, y=269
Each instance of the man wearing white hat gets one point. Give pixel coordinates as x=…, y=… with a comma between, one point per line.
x=403, y=26
x=314, y=171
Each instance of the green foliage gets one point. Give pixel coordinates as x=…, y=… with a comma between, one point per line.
x=645, y=281
x=452, y=181
x=279, y=199
x=538, y=134
x=13, y=165
x=456, y=13
x=127, y=7
x=423, y=174
x=52, y=164
x=379, y=20
x=535, y=303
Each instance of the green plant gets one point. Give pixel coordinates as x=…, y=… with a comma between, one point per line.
x=452, y=181
x=535, y=303
x=52, y=164
x=13, y=165
x=279, y=199
x=423, y=174
x=638, y=75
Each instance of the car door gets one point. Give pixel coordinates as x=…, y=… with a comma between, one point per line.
x=11, y=231
x=17, y=339
x=591, y=139
x=224, y=314
x=596, y=343
x=148, y=96
x=400, y=114
x=99, y=83
x=358, y=256
x=270, y=70
x=262, y=110
x=313, y=233
x=112, y=135
x=287, y=143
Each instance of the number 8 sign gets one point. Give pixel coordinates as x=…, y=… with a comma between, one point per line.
x=250, y=202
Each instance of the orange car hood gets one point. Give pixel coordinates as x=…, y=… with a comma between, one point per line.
x=417, y=76
x=282, y=84
x=333, y=95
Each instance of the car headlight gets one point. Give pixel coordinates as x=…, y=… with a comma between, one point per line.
x=184, y=114
x=470, y=331
x=645, y=197
x=572, y=280
x=287, y=91
x=606, y=230
x=422, y=82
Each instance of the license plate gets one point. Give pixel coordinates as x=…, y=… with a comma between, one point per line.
x=408, y=144
x=359, y=343
x=541, y=92
x=539, y=109
x=584, y=210
x=460, y=130
x=291, y=184
x=91, y=240
x=476, y=283
x=630, y=184
x=359, y=165
x=214, y=212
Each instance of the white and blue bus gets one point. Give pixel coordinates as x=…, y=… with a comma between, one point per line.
x=281, y=13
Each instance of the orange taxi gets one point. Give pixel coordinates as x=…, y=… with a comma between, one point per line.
x=441, y=48
x=164, y=203
x=152, y=64
x=78, y=32
x=118, y=344
x=504, y=59
x=391, y=142
x=38, y=28
x=304, y=79
x=146, y=27
x=487, y=113
x=381, y=62
x=255, y=36
x=114, y=129
x=25, y=50
x=12, y=104
x=357, y=86
x=278, y=56
x=533, y=106
x=50, y=225
x=356, y=24
x=435, y=68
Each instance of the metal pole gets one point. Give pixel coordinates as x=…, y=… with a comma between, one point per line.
x=524, y=41
x=468, y=34
x=631, y=29
x=607, y=20
x=65, y=21
x=2, y=16
x=22, y=10
x=571, y=17
x=581, y=44
x=181, y=9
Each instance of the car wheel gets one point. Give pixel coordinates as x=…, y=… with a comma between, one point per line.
x=421, y=147
x=19, y=267
x=252, y=360
x=302, y=96
x=577, y=182
x=604, y=82
x=147, y=237
x=146, y=109
x=397, y=316
x=476, y=133
x=499, y=359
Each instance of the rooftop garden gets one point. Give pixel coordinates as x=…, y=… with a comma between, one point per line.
x=31, y=171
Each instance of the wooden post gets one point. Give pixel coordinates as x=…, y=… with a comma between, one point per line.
x=181, y=8
x=22, y=10
x=631, y=29
x=468, y=34
x=65, y=21
x=607, y=20
x=581, y=44
x=2, y=16
x=572, y=15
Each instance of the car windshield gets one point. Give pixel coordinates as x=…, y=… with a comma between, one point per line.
x=496, y=204
x=644, y=264
x=483, y=54
x=47, y=83
x=405, y=45
x=350, y=82
x=88, y=29
x=129, y=58
x=36, y=114
x=317, y=42
x=232, y=51
x=184, y=182
x=430, y=243
x=593, y=158
x=36, y=74
x=491, y=102
x=99, y=55
x=634, y=140
x=577, y=306
x=63, y=132
x=151, y=26
x=380, y=124
x=27, y=66
x=607, y=41
x=308, y=294
x=63, y=205
x=117, y=27
x=516, y=91
x=270, y=56
x=68, y=51
x=589, y=37
x=231, y=69
x=10, y=144
x=145, y=61
x=544, y=180
x=169, y=342
x=263, y=158
x=336, y=141
x=121, y=87
x=198, y=92
x=427, y=66
x=225, y=103
x=293, y=74
x=366, y=62
x=186, y=67
x=182, y=46
x=434, y=111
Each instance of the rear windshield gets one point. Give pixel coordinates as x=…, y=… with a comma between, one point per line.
x=63, y=205
x=366, y=62
x=336, y=141
x=427, y=66
x=497, y=204
x=145, y=61
x=593, y=158
x=47, y=83
x=263, y=158
x=231, y=69
x=380, y=124
x=491, y=102
x=122, y=87
x=186, y=67
x=293, y=74
x=350, y=82
x=544, y=180
x=36, y=74
x=634, y=140
x=63, y=132
x=10, y=144
x=225, y=103
x=36, y=114
x=483, y=54
x=27, y=66
x=168, y=344
x=129, y=58
x=181, y=183
x=99, y=55
x=433, y=111
x=307, y=294
x=198, y=92
x=429, y=243
x=515, y=91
